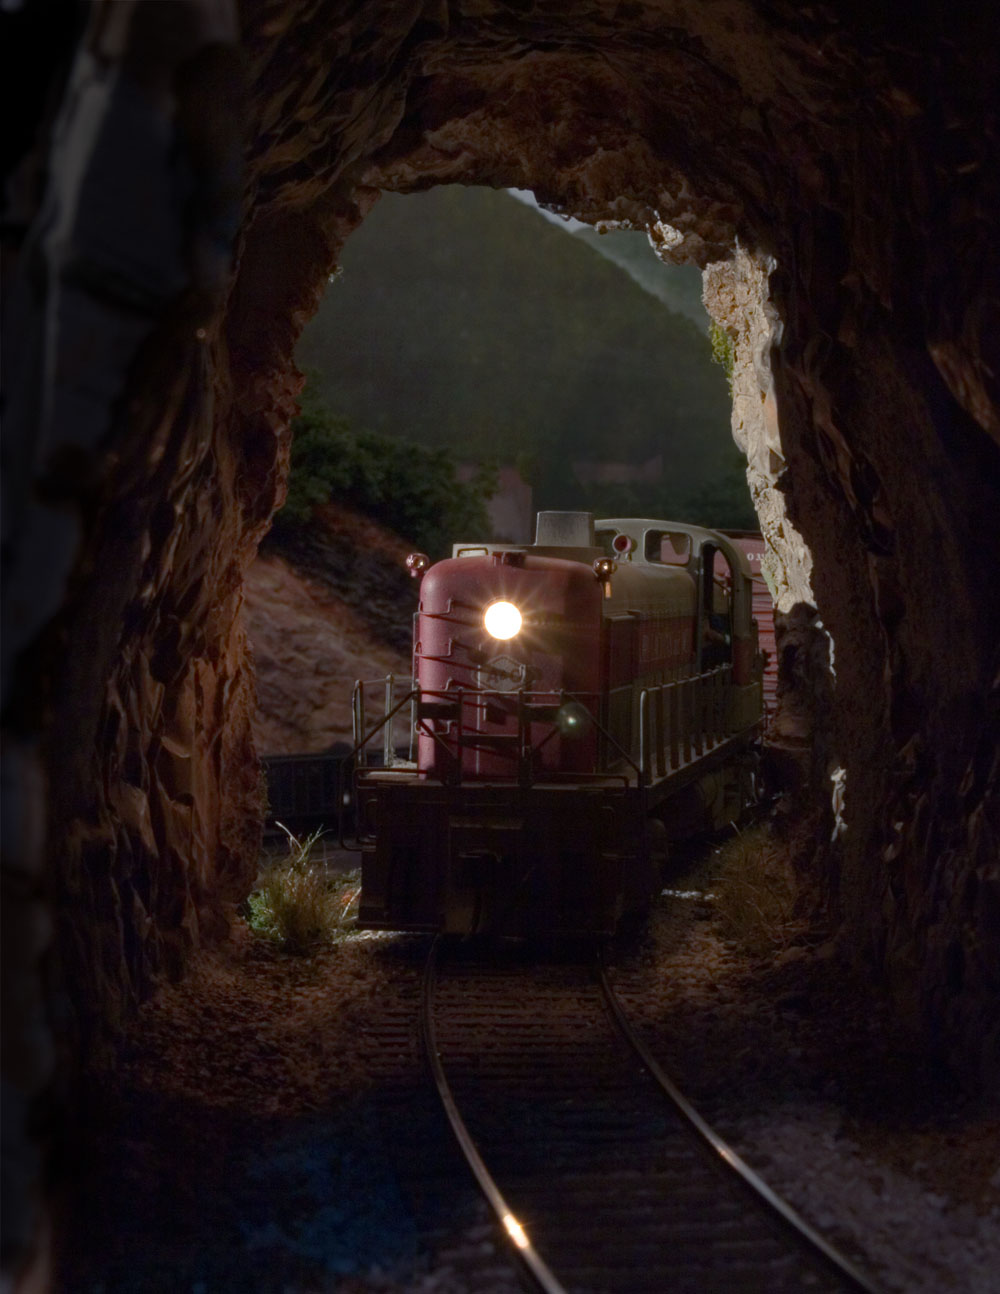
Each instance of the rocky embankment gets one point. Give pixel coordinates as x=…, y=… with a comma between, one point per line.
x=323, y=607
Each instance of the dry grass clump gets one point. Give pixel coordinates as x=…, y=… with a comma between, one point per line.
x=754, y=888
x=296, y=904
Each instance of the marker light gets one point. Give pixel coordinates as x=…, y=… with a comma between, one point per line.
x=573, y=719
x=502, y=620
x=604, y=568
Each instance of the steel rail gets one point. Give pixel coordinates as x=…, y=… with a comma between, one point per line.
x=792, y=1222
x=523, y=1248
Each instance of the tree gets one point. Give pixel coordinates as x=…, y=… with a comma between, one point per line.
x=412, y=489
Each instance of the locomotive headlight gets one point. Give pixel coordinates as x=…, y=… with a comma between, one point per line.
x=502, y=620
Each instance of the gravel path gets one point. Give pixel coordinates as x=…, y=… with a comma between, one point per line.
x=268, y=1126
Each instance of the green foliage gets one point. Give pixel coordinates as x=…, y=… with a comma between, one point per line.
x=723, y=350
x=294, y=904
x=412, y=489
x=723, y=502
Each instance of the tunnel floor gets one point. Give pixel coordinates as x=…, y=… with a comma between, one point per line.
x=267, y=1127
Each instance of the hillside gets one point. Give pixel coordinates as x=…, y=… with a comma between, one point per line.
x=331, y=607
x=461, y=318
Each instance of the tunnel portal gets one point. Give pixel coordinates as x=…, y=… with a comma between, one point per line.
x=195, y=171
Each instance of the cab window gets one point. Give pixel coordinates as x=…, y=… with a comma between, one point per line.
x=670, y=547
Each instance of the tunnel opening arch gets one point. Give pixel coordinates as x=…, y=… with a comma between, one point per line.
x=737, y=296
x=772, y=255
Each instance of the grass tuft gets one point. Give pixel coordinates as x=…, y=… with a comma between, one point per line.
x=754, y=888
x=296, y=904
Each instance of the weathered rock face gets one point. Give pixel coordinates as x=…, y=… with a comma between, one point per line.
x=148, y=424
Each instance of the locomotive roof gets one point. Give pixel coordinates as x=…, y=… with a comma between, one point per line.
x=638, y=527
x=573, y=535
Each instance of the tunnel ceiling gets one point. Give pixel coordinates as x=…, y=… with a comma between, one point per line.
x=838, y=176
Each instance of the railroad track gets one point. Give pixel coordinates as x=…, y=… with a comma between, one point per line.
x=600, y=1183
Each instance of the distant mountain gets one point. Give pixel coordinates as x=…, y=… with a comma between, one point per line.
x=462, y=319
x=677, y=286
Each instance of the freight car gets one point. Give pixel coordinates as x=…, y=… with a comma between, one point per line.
x=575, y=704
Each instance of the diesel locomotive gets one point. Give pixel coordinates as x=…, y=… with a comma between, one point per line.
x=575, y=704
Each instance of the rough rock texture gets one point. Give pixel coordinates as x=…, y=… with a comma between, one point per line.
x=153, y=385
x=322, y=611
x=737, y=295
x=129, y=797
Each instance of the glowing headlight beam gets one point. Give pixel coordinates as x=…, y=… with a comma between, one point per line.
x=502, y=620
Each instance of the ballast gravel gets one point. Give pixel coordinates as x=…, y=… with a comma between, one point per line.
x=267, y=1126
x=802, y=1069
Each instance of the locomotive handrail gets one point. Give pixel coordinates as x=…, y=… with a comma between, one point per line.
x=692, y=731
x=689, y=738
x=607, y=735
x=360, y=745
x=579, y=697
x=457, y=699
x=387, y=751
x=390, y=710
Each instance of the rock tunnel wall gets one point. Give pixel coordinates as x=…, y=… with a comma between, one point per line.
x=204, y=164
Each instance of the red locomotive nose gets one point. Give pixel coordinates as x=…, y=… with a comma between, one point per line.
x=565, y=691
x=492, y=636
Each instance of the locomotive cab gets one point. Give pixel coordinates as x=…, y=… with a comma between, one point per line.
x=563, y=692
x=721, y=575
